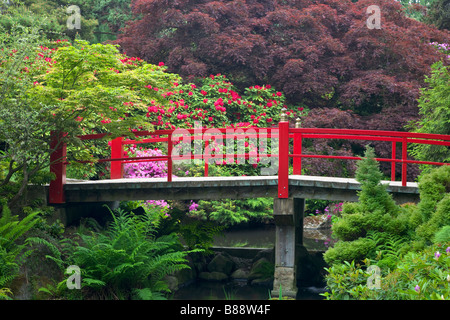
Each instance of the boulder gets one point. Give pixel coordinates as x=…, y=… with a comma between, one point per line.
x=221, y=263
x=268, y=254
x=261, y=269
x=240, y=274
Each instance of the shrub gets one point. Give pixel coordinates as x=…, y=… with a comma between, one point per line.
x=432, y=187
x=355, y=250
x=376, y=212
x=421, y=275
x=443, y=235
x=434, y=205
x=438, y=219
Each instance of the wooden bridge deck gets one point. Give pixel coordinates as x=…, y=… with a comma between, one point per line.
x=214, y=188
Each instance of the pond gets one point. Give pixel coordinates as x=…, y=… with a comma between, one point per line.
x=236, y=290
x=261, y=236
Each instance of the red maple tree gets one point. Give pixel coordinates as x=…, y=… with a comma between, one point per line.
x=321, y=53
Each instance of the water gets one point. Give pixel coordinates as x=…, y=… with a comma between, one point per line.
x=262, y=236
x=233, y=290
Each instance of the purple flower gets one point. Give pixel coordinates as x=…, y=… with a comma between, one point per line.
x=193, y=206
x=447, y=250
x=417, y=288
x=437, y=254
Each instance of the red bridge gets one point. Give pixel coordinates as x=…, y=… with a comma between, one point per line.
x=60, y=189
x=288, y=190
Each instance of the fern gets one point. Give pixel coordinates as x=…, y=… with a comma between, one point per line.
x=11, y=253
x=128, y=257
x=11, y=228
x=5, y=294
x=389, y=248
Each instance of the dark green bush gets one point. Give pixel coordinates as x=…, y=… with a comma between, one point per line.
x=434, y=205
x=355, y=250
x=443, y=235
x=376, y=211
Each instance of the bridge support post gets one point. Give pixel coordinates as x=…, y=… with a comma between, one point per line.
x=288, y=216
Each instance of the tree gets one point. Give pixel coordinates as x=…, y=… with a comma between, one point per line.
x=110, y=15
x=439, y=14
x=318, y=53
x=371, y=222
x=55, y=13
x=72, y=89
x=434, y=108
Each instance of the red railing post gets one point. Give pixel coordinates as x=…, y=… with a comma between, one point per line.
x=116, y=153
x=169, y=155
x=58, y=155
x=283, y=158
x=404, y=158
x=297, y=162
x=393, y=162
x=206, y=158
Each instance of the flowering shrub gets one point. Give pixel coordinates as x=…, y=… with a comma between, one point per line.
x=150, y=169
x=215, y=103
x=442, y=47
x=422, y=275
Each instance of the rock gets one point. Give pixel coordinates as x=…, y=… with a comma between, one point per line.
x=186, y=276
x=268, y=254
x=221, y=263
x=261, y=269
x=213, y=276
x=172, y=283
x=321, y=221
x=240, y=274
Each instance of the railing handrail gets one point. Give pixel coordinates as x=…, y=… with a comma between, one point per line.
x=283, y=132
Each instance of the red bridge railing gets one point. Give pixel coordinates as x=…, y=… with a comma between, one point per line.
x=286, y=136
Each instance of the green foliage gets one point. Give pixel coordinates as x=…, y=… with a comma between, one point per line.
x=412, y=268
x=342, y=279
x=200, y=234
x=373, y=196
x=26, y=12
x=434, y=205
x=11, y=252
x=432, y=187
x=418, y=275
x=442, y=235
x=231, y=212
x=11, y=228
x=128, y=257
x=344, y=251
x=434, y=107
x=376, y=212
x=440, y=218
